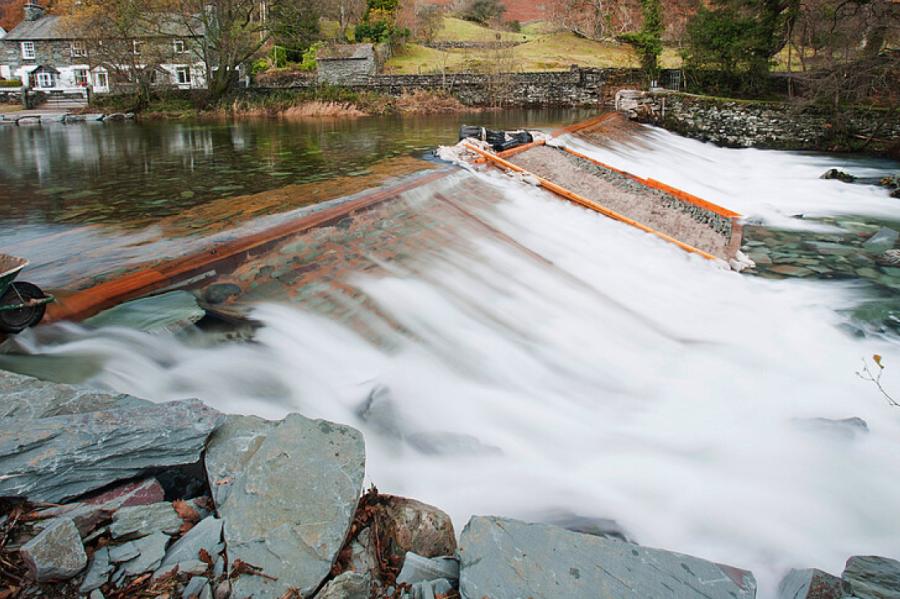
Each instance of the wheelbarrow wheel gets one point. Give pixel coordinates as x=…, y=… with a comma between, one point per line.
x=16, y=321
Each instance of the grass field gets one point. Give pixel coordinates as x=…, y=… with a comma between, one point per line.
x=539, y=52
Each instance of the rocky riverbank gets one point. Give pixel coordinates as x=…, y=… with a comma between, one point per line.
x=108, y=495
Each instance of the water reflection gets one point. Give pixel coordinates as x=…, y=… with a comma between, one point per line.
x=122, y=172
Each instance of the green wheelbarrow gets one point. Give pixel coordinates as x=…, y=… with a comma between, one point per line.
x=22, y=304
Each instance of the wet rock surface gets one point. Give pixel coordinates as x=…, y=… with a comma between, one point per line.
x=59, y=457
x=811, y=584
x=56, y=552
x=872, y=577
x=502, y=558
x=854, y=251
x=291, y=497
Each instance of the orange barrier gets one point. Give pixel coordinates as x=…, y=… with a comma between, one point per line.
x=591, y=204
x=204, y=265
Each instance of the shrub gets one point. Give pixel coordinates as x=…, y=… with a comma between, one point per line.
x=482, y=11
x=10, y=83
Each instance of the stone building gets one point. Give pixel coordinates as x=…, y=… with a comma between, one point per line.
x=346, y=64
x=48, y=56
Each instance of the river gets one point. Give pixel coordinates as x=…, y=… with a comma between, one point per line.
x=554, y=365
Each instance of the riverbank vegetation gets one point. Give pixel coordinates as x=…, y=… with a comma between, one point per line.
x=318, y=102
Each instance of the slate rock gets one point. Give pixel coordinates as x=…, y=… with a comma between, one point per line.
x=197, y=588
x=502, y=558
x=411, y=525
x=349, y=585
x=167, y=312
x=123, y=553
x=294, y=487
x=28, y=398
x=811, y=584
x=151, y=549
x=873, y=577
x=881, y=241
x=206, y=534
x=97, y=572
x=219, y=293
x=55, y=553
x=420, y=569
x=142, y=520
x=599, y=527
x=60, y=457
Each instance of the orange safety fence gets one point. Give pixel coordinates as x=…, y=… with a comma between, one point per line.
x=587, y=203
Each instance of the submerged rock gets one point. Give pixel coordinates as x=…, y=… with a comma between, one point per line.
x=847, y=428
x=55, y=553
x=167, y=312
x=502, y=558
x=881, y=241
x=56, y=458
x=873, y=577
x=839, y=175
x=811, y=584
x=293, y=488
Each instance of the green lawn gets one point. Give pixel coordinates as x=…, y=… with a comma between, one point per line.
x=540, y=52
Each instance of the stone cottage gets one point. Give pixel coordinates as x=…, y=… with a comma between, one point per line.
x=346, y=64
x=48, y=56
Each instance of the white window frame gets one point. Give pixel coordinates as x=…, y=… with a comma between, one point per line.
x=136, y=47
x=41, y=78
x=29, y=50
x=105, y=77
x=183, y=75
x=85, y=77
x=78, y=48
x=179, y=47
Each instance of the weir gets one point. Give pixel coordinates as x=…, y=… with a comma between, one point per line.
x=289, y=256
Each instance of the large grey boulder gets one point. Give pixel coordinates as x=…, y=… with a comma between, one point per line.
x=502, y=558
x=59, y=457
x=811, y=584
x=55, y=553
x=873, y=577
x=28, y=398
x=290, y=493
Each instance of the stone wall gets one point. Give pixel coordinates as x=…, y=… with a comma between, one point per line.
x=775, y=125
x=346, y=71
x=575, y=87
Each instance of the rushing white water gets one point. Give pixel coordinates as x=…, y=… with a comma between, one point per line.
x=628, y=380
x=766, y=185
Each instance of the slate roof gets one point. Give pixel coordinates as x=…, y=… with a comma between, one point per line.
x=52, y=27
x=346, y=52
x=45, y=28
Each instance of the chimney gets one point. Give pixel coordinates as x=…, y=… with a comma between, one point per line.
x=33, y=10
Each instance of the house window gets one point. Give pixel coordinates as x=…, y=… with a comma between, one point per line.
x=28, y=50
x=183, y=74
x=45, y=80
x=101, y=80
x=136, y=47
x=178, y=46
x=81, y=77
x=79, y=48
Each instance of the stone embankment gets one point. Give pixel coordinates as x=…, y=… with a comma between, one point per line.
x=757, y=124
x=111, y=496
